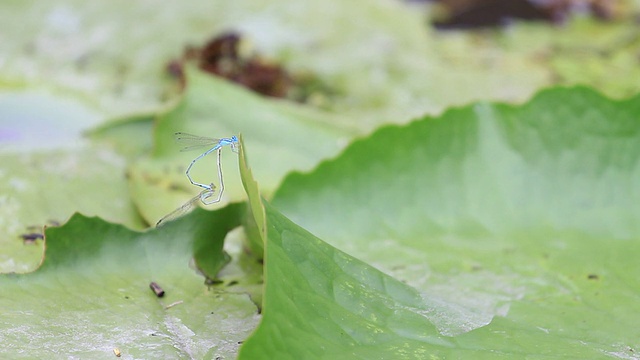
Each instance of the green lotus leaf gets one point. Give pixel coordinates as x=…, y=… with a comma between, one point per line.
x=91, y=296
x=48, y=172
x=512, y=227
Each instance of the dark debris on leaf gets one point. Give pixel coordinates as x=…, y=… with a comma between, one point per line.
x=35, y=232
x=30, y=238
x=210, y=282
x=156, y=289
x=224, y=56
x=464, y=14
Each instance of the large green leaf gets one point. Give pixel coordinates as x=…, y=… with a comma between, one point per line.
x=322, y=303
x=516, y=225
x=91, y=294
x=48, y=172
x=500, y=278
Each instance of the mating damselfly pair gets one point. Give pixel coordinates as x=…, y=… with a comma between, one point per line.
x=194, y=142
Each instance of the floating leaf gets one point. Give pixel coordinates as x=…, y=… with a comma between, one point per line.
x=515, y=224
x=91, y=295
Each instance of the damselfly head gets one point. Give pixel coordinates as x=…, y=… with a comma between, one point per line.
x=234, y=144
